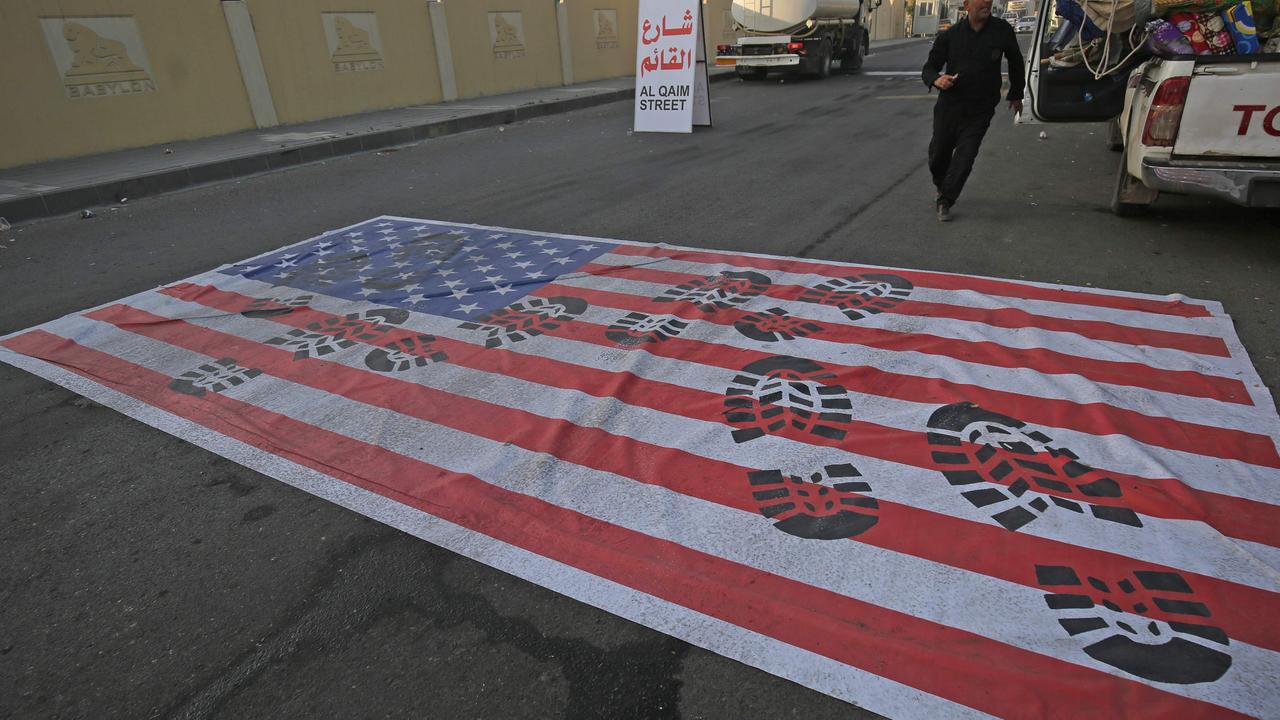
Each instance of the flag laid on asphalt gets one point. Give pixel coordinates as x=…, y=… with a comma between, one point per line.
x=932, y=495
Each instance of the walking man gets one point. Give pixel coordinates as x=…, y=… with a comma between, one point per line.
x=964, y=65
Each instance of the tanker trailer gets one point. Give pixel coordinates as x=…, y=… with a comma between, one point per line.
x=799, y=36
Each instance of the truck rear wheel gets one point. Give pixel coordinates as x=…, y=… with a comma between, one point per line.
x=855, y=51
x=824, y=60
x=1130, y=198
x=751, y=73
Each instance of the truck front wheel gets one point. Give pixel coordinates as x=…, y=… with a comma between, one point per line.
x=1130, y=197
x=751, y=73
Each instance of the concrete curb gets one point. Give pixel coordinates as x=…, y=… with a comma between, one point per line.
x=108, y=192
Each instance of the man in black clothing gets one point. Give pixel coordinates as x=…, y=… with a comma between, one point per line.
x=970, y=53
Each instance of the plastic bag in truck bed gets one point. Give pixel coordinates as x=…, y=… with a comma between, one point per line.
x=1165, y=40
x=1216, y=34
x=1239, y=20
x=1189, y=25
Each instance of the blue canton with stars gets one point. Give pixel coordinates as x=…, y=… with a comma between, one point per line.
x=423, y=266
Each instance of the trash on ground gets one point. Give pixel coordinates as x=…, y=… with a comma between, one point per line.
x=86, y=214
x=1044, y=135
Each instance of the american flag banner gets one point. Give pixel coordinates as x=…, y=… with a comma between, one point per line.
x=932, y=495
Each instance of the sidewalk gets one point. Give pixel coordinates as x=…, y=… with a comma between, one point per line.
x=74, y=184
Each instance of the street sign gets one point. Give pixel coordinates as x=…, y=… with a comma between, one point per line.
x=671, y=67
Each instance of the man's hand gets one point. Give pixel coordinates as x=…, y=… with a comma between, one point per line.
x=944, y=82
x=1016, y=106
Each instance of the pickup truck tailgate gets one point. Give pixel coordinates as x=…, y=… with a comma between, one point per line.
x=1232, y=110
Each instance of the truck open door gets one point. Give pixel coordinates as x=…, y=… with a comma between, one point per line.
x=1066, y=94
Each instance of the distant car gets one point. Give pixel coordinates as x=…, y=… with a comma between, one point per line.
x=944, y=26
x=1025, y=25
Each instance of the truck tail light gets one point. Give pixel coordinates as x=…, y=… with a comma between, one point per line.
x=1165, y=114
x=723, y=49
x=796, y=47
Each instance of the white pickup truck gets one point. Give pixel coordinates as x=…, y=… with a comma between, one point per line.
x=1195, y=125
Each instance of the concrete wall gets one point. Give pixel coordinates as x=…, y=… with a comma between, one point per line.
x=181, y=80
x=889, y=21
x=89, y=76
x=527, y=56
x=390, y=62
x=596, y=53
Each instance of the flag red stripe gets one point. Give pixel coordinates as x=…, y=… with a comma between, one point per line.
x=1092, y=418
x=1154, y=497
x=1049, y=362
x=1011, y=318
x=981, y=548
x=941, y=660
x=940, y=281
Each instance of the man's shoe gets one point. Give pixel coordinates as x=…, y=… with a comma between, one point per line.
x=944, y=212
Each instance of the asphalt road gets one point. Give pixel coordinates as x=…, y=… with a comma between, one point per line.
x=142, y=577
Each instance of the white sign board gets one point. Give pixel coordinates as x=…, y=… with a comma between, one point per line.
x=671, y=67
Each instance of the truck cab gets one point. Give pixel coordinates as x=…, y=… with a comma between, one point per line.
x=1205, y=125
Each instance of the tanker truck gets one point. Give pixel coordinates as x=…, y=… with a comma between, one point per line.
x=797, y=36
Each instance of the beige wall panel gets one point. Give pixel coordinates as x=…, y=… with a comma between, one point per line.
x=391, y=64
x=719, y=26
x=889, y=21
x=192, y=86
x=603, y=33
x=526, y=57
